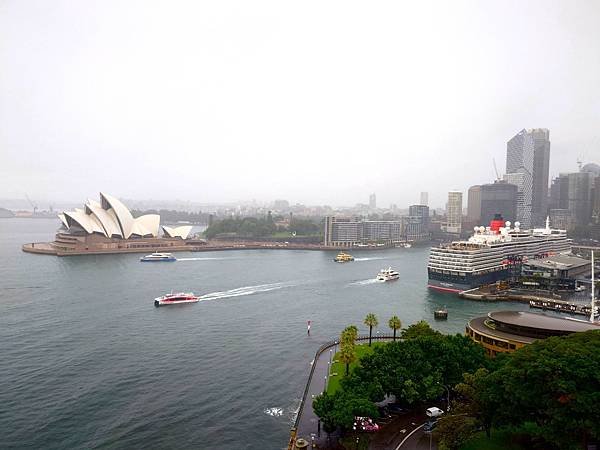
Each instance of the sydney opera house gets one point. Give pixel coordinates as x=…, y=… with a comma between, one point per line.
x=109, y=227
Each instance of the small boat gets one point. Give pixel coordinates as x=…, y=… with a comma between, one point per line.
x=175, y=299
x=343, y=257
x=440, y=314
x=387, y=275
x=158, y=257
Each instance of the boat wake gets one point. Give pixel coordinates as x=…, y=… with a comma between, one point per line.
x=290, y=412
x=208, y=258
x=364, y=282
x=246, y=290
x=375, y=258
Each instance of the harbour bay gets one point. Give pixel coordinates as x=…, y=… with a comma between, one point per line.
x=88, y=362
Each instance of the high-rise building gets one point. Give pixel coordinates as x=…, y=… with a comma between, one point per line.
x=424, y=199
x=528, y=153
x=346, y=232
x=498, y=198
x=580, y=197
x=454, y=212
x=417, y=223
x=474, y=205
x=372, y=201
x=559, y=192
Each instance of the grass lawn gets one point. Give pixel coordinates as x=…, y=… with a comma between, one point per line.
x=499, y=440
x=339, y=368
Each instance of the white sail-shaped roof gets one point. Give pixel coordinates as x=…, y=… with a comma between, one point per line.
x=111, y=218
x=147, y=224
x=182, y=232
x=124, y=217
x=85, y=221
x=108, y=221
x=63, y=219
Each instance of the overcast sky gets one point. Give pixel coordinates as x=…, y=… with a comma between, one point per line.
x=316, y=102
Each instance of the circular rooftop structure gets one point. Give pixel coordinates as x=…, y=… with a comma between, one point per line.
x=507, y=331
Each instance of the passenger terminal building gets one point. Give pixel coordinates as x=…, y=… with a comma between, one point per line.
x=109, y=227
x=507, y=331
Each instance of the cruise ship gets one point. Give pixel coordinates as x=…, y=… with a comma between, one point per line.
x=488, y=255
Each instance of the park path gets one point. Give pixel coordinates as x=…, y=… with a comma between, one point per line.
x=307, y=423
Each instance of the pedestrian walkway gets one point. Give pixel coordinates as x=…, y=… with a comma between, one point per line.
x=307, y=425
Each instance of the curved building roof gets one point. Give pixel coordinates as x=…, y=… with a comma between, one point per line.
x=110, y=218
x=523, y=319
x=182, y=232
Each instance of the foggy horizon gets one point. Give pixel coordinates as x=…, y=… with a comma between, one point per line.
x=313, y=103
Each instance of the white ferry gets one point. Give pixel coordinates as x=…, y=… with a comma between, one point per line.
x=158, y=257
x=174, y=299
x=490, y=254
x=387, y=275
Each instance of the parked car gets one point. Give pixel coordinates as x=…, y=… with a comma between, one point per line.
x=429, y=426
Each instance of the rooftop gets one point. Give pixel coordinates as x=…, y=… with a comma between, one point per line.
x=541, y=321
x=562, y=262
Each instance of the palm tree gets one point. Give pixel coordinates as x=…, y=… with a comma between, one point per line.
x=347, y=355
x=352, y=331
x=371, y=321
x=395, y=324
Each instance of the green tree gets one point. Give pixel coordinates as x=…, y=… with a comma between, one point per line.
x=371, y=321
x=453, y=431
x=324, y=407
x=395, y=324
x=349, y=333
x=418, y=329
x=347, y=355
x=551, y=387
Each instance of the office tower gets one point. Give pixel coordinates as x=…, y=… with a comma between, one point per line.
x=528, y=154
x=454, y=212
x=417, y=223
x=580, y=197
x=342, y=231
x=474, y=205
x=559, y=192
x=372, y=201
x=424, y=199
x=498, y=198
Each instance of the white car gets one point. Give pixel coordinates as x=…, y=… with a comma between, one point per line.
x=434, y=411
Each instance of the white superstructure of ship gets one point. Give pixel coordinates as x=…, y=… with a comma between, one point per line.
x=488, y=255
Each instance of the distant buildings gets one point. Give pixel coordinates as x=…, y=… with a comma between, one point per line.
x=372, y=201
x=424, y=199
x=527, y=167
x=347, y=232
x=417, y=223
x=498, y=198
x=454, y=212
x=575, y=198
x=474, y=205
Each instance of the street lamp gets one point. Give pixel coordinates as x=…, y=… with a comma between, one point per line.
x=447, y=397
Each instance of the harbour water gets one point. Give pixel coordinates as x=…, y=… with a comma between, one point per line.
x=87, y=361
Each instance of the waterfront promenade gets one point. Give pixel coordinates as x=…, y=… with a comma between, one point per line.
x=48, y=248
x=307, y=424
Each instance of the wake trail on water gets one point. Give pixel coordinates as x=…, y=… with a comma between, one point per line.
x=375, y=258
x=364, y=282
x=245, y=290
x=212, y=258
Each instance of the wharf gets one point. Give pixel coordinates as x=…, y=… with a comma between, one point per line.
x=49, y=248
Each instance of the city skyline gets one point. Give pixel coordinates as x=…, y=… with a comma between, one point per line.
x=85, y=105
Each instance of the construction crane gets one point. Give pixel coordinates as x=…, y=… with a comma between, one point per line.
x=496, y=169
x=33, y=205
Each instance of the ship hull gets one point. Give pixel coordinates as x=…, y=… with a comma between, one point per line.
x=454, y=283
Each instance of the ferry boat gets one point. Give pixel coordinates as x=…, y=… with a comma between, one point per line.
x=343, y=257
x=175, y=299
x=490, y=255
x=158, y=257
x=387, y=275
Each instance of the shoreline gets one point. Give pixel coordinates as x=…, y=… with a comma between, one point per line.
x=48, y=248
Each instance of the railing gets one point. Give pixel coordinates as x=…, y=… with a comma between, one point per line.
x=318, y=353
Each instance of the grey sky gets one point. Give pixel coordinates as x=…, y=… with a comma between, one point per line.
x=316, y=102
